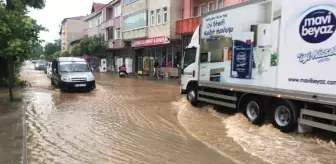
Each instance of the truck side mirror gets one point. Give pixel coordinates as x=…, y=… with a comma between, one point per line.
x=182, y=71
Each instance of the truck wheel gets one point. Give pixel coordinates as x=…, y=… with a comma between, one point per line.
x=192, y=96
x=253, y=111
x=284, y=116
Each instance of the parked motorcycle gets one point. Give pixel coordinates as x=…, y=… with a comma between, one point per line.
x=122, y=74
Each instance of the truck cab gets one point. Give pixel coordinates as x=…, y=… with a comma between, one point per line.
x=189, y=68
x=72, y=73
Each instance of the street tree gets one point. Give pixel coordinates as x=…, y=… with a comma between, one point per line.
x=93, y=46
x=18, y=33
x=57, y=54
x=76, y=50
x=37, y=52
x=51, y=48
x=98, y=46
x=65, y=54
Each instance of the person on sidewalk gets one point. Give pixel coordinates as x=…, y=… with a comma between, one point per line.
x=157, y=68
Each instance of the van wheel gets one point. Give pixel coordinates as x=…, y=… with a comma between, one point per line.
x=192, y=96
x=254, y=111
x=284, y=115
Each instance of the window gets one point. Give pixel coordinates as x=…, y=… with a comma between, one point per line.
x=110, y=33
x=219, y=4
x=117, y=11
x=158, y=16
x=165, y=15
x=117, y=33
x=103, y=15
x=134, y=21
x=90, y=23
x=195, y=11
x=211, y=6
x=152, y=14
x=203, y=9
x=189, y=57
x=100, y=19
x=126, y=2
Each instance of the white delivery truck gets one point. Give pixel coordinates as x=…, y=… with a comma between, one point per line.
x=271, y=59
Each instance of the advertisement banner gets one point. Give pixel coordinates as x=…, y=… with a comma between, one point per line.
x=235, y=20
x=243, y=56
x=308, y=46
x=241, y=64
x=151, y=41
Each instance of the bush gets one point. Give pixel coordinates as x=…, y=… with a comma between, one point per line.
x=20, y=83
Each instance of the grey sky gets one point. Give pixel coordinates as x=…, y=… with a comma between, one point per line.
x=54, y=12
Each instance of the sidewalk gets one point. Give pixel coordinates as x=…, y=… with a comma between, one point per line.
x=170, y=81
x=11, y=131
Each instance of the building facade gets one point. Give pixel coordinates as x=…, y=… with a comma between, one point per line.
x=71, y=30
x=149, y=27
x=119, y=51
x=106, y=20
x=191, y=12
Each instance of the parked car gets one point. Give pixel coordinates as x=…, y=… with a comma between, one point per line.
x=48, y=68
x=40, y=65
x=72, y=73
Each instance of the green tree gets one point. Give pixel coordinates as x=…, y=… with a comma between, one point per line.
x=94, y=46
x=76, y=50
x=37, y=52
x=98, y=46
x=57, y=54
x=51, y=48
x=65, y=54
x=18, y=33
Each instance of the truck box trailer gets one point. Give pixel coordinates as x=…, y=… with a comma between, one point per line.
x=267, y=58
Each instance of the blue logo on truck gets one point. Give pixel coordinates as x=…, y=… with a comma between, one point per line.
x=318, y=26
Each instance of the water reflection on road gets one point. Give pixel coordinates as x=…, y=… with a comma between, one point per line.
x=136, y=121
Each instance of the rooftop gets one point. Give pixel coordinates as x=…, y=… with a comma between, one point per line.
x=74, y=18
x=97, y=6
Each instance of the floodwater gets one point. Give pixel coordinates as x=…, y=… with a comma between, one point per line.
x=134, y=121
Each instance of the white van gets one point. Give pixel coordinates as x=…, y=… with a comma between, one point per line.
x=72, y=73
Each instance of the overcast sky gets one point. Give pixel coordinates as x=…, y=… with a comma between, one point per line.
x=56, y=10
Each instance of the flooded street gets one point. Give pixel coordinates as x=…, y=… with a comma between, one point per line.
x=126, y=120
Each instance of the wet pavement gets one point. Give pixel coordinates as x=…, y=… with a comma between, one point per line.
x=127, y=120
x=11, y=132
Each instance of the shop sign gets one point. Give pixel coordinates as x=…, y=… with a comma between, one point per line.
x=151, y=41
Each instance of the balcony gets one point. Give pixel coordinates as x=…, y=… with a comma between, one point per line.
x=108, y=23
x=135, y=33
x=134, y=7
x=112, y=44
x=187, y=26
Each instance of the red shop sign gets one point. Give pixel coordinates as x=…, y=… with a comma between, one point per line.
x=151, y=41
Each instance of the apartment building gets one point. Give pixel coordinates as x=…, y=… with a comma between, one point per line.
x=105, y=20
x=191, y=12
x=95, y=20
x=149, y=27
x=71, y=30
